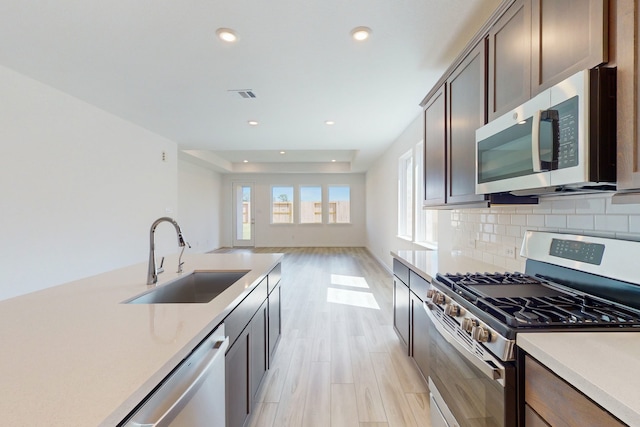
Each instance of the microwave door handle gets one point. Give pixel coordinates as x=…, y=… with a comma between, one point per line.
x=535, y=142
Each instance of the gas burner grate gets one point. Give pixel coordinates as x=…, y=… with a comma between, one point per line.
x=451, y=280
x=558, y=310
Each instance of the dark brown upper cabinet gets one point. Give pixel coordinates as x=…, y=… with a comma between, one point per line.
x=509, y=82
x=568, y=36
x=435, y=141
x=466, y=113
x=524, y=48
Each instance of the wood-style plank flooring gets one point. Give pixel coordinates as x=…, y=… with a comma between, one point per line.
x=339, y=361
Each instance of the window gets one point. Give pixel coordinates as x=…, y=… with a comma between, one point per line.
x=405, y=195
x=282, y=205
x=311, y=205
x=339, y=204
x=426, y=220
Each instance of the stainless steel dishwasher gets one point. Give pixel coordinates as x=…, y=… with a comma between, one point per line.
x=194, y=394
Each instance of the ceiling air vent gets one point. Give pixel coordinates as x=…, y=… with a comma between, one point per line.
x=244, y=93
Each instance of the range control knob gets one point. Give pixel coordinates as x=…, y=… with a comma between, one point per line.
x=451, y=310
x=468, y=324
x=431, y=293
x=438, y=298
x=480, y=333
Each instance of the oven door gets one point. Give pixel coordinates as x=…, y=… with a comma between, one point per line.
x=470, y=391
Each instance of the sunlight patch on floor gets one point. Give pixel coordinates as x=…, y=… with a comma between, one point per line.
x=354, y=298
x=353, y=281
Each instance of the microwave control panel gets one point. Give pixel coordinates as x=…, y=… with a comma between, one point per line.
x=567, y=133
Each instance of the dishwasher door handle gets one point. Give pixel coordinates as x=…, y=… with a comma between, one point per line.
x=176, y=392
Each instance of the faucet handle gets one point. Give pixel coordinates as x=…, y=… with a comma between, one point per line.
x=160, y=269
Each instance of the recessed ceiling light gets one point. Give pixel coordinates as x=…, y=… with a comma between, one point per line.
x=361, y=33
x=253, y=122
x=329, y=122
x=245, y=161
x=333, y=160
x=282, y=152
x=226, y=35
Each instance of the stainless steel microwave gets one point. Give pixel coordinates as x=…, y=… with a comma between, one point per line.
x=562, y=140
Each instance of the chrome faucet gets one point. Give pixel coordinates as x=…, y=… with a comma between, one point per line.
x=152, y=276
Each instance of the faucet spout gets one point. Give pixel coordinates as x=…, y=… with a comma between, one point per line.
x=152, y=275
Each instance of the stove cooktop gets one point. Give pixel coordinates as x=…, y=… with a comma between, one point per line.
x=522, y=302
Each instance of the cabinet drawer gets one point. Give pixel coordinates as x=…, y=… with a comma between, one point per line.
x=558, y=403
x=238, y=319
x=418, y=285
x=274, y=276
x=401, y=271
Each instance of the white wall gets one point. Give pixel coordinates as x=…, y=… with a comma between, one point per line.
x=199, y=198
x=382, y=199
x=79, y=188
x=301, y=235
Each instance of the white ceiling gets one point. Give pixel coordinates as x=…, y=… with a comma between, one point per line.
x=159, y=64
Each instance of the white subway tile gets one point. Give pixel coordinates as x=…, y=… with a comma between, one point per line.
x=634, y=223
x=535, y=220
x=508, y=241
x=556, y=221
x=622, y=209
x=504, y=219
x=541, y=209
x=518, y=220
x=488, y=228
x=615, y=223
x=628, y=236
x=514, y=230
x=564, y=206
x=500, y=229
x=580, y=222
x=524, y=209
x=591, y=205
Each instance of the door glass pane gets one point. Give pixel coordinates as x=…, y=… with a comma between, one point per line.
x=311, y=205
x=243, y=212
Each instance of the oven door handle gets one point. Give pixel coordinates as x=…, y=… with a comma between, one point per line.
x=490, y=370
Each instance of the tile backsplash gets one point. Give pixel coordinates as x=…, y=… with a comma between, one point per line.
x=494, y=235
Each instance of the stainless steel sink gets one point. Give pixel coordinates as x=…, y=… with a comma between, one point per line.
x=197, y=287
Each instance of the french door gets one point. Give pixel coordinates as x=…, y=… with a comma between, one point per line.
x=243, y=214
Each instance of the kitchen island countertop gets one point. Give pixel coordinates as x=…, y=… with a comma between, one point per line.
x=74, y=355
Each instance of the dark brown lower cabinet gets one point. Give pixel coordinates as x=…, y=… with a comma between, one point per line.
x=253, y=328
x=237, y=381
x=401, y=310
x=420, y=335
x=257, y=350
x=275, y=323
x=549, y=400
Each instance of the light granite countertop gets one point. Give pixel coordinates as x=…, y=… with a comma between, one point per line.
x=73, y=355
x=604, y=366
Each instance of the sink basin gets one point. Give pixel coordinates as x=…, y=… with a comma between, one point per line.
x=197, y=287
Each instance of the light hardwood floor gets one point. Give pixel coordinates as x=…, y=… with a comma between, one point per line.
x=339, y=361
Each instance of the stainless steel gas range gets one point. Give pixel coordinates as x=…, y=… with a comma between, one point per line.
x=570, y=283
